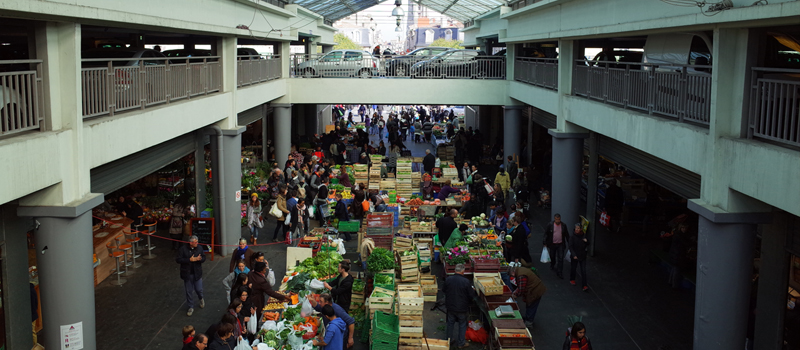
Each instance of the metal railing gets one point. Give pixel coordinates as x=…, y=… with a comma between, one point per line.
x=469, y=23
x=21, y=103
x=254, y=69
x=542, y=72
x=278, y=3
x=775, y=105
x=416, y=67
x=678, y=91
x=143, y=82
x=522, y=3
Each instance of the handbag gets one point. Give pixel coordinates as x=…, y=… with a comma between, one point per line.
x=469, y=180
x=274, y=211
x=568, y=256
x=545, y=256
x=489, y=189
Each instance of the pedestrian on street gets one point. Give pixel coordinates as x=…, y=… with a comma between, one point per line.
x=530, y=288
x=555, y=239
x=255, y=221
x=578, y=246
x=577, y=340
x=459, y=296
x=191, y=257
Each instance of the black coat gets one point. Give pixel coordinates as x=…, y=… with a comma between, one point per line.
x=341, y=211
x=342, y=292
x=189, y=268
x=577, y=247
x=458, y=293
x=428, y=162
x=548, y=234
x=446, y=225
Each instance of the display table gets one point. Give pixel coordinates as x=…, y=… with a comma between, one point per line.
x=100, y=238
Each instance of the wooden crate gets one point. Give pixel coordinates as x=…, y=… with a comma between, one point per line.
x=411, y=332
x=357, y=298
x=489, y=285
x=403, y=242
x=429, y=285
x=381, y=303
x=506, y=338
x=409, y=339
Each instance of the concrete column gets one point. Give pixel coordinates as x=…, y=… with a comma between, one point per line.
x=511, y=53
x=230, y=229
x=591, y=194
x=772, y=284
x=566, y=57
x=511, y=132
x=724, y=267
x=64, y=251
x=286, y=58
x=17, y=299
x=200, y=172
x=312, y=112
x=283, y=132
x=529, y=155
x=265, y=135
x=567, y=162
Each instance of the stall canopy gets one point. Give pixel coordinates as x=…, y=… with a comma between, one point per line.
x=462, y=10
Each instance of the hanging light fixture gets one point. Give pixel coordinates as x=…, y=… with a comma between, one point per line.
x=399, y=13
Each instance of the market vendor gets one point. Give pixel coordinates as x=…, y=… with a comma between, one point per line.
x=342, y=287
x=447, y=190
x=327, y=299
x=530, y=288
x=456, y=236
x=344, y=178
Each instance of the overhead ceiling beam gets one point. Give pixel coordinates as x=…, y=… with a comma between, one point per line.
x=449, y=6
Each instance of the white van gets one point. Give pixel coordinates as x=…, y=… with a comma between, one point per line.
x=678, y=48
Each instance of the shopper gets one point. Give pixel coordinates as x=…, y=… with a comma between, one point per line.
x=530, y=288
x=577, y=340
x=578, y=246
x=188, y=334
x=199, y=342
x=555, y=239
x=342, y=214
x=234, y=308
x=427, y=129
x=342, y=287
x=228, y=282
x=254, y=219
x=334, y=330
x=326, y=299
x=447, y=190
x=428, y=162
x=224, y=338
x=239, y=282
x=280, y=227
x=459, y=296
x=248, y=310
x=261, y=286
x=446, y=225
x=503, y=179
x=191, y=257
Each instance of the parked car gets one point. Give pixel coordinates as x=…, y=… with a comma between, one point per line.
x=340, y=63
x=129, y=86
x=186, y=53
x=449, y=64
x=400, y=66
x=622, y=56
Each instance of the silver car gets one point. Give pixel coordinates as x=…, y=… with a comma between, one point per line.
x=338, y=63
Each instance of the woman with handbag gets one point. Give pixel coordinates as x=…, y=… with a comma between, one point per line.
x=254, y=219
x=280, y=203
x=176, y=222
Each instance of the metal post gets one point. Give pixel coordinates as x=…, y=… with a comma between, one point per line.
x=591, y=194
x=265, y=134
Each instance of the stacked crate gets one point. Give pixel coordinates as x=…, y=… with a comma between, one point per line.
x=449, y=174
x=380, y=229
x=416, y=183
x=404, y=181
x=430, y=288
x=385, y=331
x=410, y=305
x=380, y=303
x=424, y=254
x=446, y=152
x=407, y=266
x=375, y=172
x=388, y=184
x=362, y=173
x=357, y=297
x=402, y=244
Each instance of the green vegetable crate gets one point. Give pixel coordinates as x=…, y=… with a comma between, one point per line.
x=381, y=300
x=349, y=226
x=385, y=328
x=383, y=277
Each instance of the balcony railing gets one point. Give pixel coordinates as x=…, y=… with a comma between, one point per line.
x=124, y=84
x=278, y=3
x=775, y=105
x=678, y=91
x=542, y=72
x=522, y=3
x=415, y=67
x=254, y=69
x=21, y=103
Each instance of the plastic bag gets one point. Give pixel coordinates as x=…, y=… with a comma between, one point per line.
x=263, y=346
x=545, y=256
x=243, y=344
x=568, y=256
x=306, y=310
x=271, y=277
x=269, y=326
x=340, y=247
x=478, y=336
x=295, y=341
x=316, y=284
x=252, y=325
x=476, y=325
x=288, y=220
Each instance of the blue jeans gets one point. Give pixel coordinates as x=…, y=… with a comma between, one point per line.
x=461, y=317
x=192, y=286
x=530, y=310
x=254, y=232
x=507, y=281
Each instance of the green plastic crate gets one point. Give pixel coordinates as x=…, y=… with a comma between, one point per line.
x=386, y=286
x=385, y=327
x=383, y=345
x=349, y=226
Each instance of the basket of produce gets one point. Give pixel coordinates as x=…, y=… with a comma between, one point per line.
x=384, y=280
x=514, y=338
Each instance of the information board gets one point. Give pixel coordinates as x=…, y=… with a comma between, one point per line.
x=203, y=228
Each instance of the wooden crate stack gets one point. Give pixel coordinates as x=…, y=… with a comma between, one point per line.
x=385, y=304
x=425, y=255
x=430, y=288
x=402, y=244
x=449, y=174
x=428, y=344
x=375, y=172
x=388, y=184
x=362, y=173
x=410, y=305
x=407, y=266
x=404, y=181
x=357, y=299
x=446, y=152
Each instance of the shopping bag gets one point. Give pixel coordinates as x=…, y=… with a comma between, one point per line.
x=242, y=344
x=288, y=220
x=271, y=277
x=274, y=211
x=545, y=256
x=469, y=180
x=307, y=309
x=568, y=256
x=489, y=189
x=252, y=325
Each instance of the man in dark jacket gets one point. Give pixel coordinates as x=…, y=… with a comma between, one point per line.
x=459, y=296
x=342, y=287
x=191, y=257
x=446, y=225
x=555, y=239
x=342, y=214
x=428, y=162
x=578, y=245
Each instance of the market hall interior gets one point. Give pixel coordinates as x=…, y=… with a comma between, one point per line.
x=718, y=135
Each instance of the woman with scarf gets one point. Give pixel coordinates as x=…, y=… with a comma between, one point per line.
x=234, y=309
x=577, y=340
x=254, y=219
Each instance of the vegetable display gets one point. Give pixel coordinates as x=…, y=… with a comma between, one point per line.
x=383, y=279
x=298, y=282
x=358, y=285
x=380, y=259
x=326, y=263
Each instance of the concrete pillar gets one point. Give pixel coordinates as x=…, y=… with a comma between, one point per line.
x=312, y=112
x=200, y=172
x=724, y=267
x=265, y=135
x=231, y=163
x=566, y=57
x=283, y=132
x=511, y=132
x=529, y=155
x=772, y=284
x=567, y=162
x=64, y=251
x=591, y=194
x=286, y=57
x=510, y=55
x=17, y=298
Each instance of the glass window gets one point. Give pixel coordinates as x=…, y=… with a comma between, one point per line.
x=454, y=56
x=332, y=57
x=429, y=34
x=448, y=34
x=352, y=56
